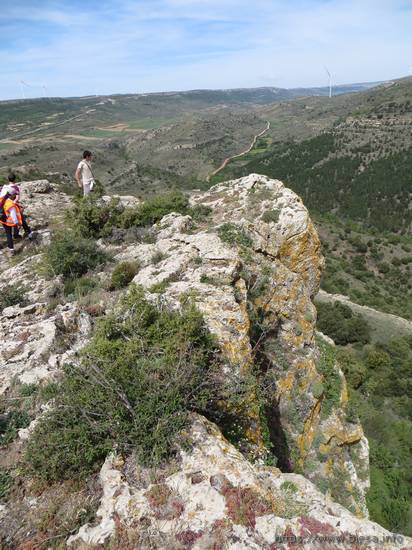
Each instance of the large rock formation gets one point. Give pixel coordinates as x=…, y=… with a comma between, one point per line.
x=215, y=498
x=252, y=269
x=253, y=272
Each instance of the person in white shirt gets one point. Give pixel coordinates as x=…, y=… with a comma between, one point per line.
x=84, y=174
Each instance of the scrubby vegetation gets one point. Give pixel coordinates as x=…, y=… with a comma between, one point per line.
x=371, y=269
x=18, y=408
x=72, y=256
x=93, y=218
x=232, y=234
x=331, y=173
x=379, y=377
x=153, y=209
x=143, y=371
x=97, y=218
x=13, y=295
x=123, y=274
x=341, y=324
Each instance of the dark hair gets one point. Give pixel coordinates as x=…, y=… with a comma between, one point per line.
x=87, y=154
x=11, y=177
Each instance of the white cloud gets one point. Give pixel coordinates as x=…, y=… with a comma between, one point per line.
x=181, y=44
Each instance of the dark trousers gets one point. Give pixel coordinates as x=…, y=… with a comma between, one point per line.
x=24, y=225
x=15, y=229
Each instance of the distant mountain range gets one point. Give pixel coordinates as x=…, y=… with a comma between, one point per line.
x=261, y=94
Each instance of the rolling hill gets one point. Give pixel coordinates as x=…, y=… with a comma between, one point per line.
x=47, y=134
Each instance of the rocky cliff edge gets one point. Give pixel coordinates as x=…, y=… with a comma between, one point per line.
x=298, y=465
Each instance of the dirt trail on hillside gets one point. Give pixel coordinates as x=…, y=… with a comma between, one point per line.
x=228, y=159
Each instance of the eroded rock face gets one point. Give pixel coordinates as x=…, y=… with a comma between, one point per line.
x=253, y=273
x=252, y=269
x=43, y=203
x=217, y=499
x=37, y=338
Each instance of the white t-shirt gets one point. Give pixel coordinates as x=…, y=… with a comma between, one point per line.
x=85, y=172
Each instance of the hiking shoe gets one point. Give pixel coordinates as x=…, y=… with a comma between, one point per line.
x=11, y=251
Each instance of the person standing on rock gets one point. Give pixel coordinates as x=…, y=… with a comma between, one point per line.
x=12, y=218
x=13, y=185
x=84, y=174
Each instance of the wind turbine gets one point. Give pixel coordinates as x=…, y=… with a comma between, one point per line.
x=330, y=81
x=22, y=89
x=23, y=83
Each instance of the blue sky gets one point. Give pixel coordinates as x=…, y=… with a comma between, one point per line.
x=85, y=47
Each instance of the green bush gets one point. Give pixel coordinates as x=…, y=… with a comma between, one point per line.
x=153, y=210
x=341, y=324
x=13, y=295
x=384, y=267
x=6, y=482
x=95, y=219
x=11, y=423
x=123, y=274
x=144, y=369
x=271, y=216
x=232, y=234
x=80, y=287
x=332, y=383
x=380, y=388
x=72, y=256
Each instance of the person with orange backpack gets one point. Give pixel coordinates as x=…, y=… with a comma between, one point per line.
x=12, y=218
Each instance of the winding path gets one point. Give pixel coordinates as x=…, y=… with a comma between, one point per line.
x=228, y=159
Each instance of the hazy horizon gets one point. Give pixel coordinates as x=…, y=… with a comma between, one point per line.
x=323, y=87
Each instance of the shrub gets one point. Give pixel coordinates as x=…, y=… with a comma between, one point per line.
x=289, y=486
x=232, y=234
x=200, y=212
x=143, y=371
x=80, y=287
x=95, y=219
x=13, y=295
x=123, y=274
x=332, y=383
x=338, y=321
x=271, y=216
x=6, y=483
x=153, y=210
x=158, y=257
x=317, y=389
x=384, y=267
x=72, y=256
x=11, y=423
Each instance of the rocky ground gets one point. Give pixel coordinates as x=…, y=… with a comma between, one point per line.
x=252, y=269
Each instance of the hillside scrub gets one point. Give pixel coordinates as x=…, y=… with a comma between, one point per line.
x=13, y=295
x=72, y=256
x=330, y=176
x=153, y=210
x=123, y=274
x=96, y=219
x=379, y=379
x=341, y=324
x=143, y=371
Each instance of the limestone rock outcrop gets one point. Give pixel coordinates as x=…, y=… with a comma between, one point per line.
x=217, y=499
x=253, y=272
x=252, y=267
